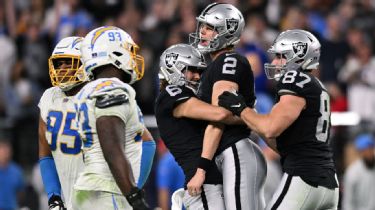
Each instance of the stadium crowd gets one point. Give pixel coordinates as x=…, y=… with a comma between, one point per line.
x=29, y=29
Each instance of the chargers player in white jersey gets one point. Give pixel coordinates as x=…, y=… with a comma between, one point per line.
x=109, y=123
x=59, y=143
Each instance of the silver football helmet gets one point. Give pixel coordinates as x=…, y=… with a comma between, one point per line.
x=300, y=48
x=226, y=20
x=177, y=59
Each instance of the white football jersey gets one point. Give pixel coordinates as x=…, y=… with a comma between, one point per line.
x=57, y=111
x=97, y=175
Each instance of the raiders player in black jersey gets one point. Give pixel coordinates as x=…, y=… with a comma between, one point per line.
x=241, y=161
x=180, y=116
x=297, y=126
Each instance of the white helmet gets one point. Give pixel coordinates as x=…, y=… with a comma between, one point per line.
x=300, y=48
x=226, y=20
x=111, y=45
x=67, y=49
x=178, y=58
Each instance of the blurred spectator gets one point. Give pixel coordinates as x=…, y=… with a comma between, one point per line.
x=33, y=52
x=257, y=57
x=170, y=177
x=359, y=178
x=295, y=17
x=359, y=74
x=68, y=18
x=335, y=49
x=21, y=111
x=11, y=179
x=37, y=184
x=257, y=32
x=7, y=60
x=338, y=100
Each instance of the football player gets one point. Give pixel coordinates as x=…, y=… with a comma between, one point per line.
x=181, y=119
x=59, y=143
x=298, y=125
x=241, y=161
x=109, y=122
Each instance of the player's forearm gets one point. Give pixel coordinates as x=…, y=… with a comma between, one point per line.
x=111, y=131
x=257, y=122
x=121, y=171
x=211, y=140
x=233, y=120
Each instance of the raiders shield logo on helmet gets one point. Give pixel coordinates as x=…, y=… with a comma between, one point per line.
x=170, y=59
x=232, y=25
x=300, y=49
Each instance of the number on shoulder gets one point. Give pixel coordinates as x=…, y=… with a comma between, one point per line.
x=230, y=64
x=173, y=90
x=291, y=76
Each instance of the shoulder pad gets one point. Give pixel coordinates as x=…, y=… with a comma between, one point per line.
x=50, y=94
x=108, y=100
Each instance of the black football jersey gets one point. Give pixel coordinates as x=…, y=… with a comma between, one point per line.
x=235, y=68
x=182, y=136
x=303, y=146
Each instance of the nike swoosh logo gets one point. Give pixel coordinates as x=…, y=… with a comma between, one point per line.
x=236, y=106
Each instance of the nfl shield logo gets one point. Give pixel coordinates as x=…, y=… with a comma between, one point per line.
x=232, y=25
x=300, y=49
x=170, y=59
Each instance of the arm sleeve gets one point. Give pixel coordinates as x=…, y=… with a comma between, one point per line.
x=49, y=176
x=148, y=152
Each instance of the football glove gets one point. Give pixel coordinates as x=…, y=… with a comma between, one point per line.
x=232, y=101
x=55, y=203
x=136, y=199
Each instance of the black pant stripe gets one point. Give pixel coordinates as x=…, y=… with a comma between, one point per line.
x=204, y=199
x=283, y=193
x=238, y=177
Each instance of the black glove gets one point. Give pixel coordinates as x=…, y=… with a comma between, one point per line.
x=136, y=199
x=55, y=203
x=232, y=101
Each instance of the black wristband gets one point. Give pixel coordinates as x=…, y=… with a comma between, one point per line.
x=204, y=163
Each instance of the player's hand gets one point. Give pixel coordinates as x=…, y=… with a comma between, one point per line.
x=136, y=199
x=232, y=101
x=55, y=203
x=195, y=184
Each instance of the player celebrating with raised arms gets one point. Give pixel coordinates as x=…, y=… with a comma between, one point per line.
x=109, y=123
x=298, y=125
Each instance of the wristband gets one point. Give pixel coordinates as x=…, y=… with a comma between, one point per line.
x=204, y=163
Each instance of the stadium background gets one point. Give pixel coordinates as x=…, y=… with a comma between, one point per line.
x=29, y=29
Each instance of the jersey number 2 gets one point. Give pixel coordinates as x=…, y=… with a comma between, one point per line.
x=229, y=66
